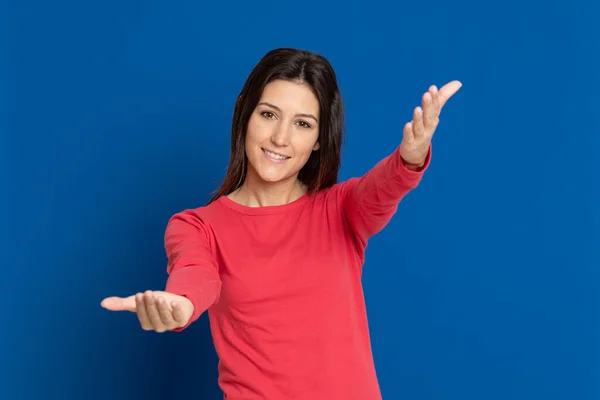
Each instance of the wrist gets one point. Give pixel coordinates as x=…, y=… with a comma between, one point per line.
x=413, y=166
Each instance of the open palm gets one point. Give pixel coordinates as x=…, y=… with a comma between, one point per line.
x=156, y=310
x=418, y=133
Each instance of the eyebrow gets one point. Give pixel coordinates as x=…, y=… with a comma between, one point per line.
x=279, y=109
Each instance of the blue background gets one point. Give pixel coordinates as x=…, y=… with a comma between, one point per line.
x=115, y=115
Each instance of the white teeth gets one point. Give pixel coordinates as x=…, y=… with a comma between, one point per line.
x=274, y=155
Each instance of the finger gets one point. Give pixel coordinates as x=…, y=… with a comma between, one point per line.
x=447, y=91
x=179, y=314
x=142, y=313
x=435, y=99
x=152, y=311
x=430, y=111
x=166, y=315
x=408, y=132
x=119, y=303
x=417, y=125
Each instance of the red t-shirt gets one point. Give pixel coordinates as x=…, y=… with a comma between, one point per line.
x=282, y=286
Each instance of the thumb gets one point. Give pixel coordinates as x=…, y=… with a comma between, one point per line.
x=447, y=91
x=119, y=303
x=181, y=312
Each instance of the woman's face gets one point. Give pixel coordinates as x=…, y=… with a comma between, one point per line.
x=283, y=131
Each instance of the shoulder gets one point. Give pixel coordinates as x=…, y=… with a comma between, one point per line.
x=197, y=220
x=330, y=201
x=201, y=213
x=336, y=193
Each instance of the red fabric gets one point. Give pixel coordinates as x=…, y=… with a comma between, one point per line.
x=282, y=286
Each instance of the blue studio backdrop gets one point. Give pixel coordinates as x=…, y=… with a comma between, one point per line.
x=115, y=115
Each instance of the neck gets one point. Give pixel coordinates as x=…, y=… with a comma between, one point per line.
x=257, y=193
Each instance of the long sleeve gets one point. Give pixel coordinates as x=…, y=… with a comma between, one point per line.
x=193, y=271
x=369, y=202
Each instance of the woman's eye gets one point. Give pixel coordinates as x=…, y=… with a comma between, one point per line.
x=268, y=114
x=304, y=124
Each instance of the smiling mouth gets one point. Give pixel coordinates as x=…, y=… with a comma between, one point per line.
x=275, y=156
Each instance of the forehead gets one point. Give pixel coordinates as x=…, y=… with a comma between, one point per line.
x=291, y=96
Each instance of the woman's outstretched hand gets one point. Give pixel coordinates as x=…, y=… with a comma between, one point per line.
x=156, y=310
x=418, y=133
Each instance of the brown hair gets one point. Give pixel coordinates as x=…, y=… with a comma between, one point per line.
x=321, y=169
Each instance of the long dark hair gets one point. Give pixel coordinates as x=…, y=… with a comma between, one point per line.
x=321, y=169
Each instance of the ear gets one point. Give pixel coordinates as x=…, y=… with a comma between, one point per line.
x=317, y=146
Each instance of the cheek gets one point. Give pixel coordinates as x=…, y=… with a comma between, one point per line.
x=251, y=131
x=307, y=144
x=257, y=132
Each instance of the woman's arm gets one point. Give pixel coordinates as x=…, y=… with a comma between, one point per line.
x=193, y=271
x=369, y=202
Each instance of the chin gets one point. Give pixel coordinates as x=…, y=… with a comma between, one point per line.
x=269, y=177
x=270, y=174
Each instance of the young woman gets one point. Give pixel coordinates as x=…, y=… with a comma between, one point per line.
x=276, y=256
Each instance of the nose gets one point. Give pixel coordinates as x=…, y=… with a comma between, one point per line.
x=281, y=135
